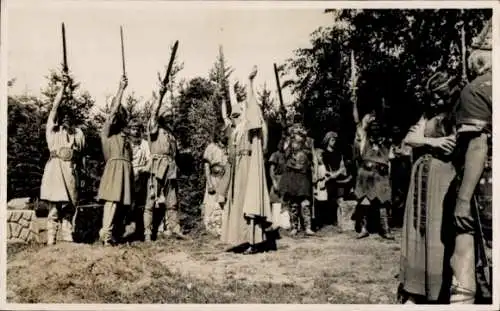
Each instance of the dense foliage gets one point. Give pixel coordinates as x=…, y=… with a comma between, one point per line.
x=395, y=51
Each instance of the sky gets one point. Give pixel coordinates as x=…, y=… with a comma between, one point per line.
x=249, y=36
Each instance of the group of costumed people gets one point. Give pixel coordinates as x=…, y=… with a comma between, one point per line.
x=236, y=197
x=446, y=237
x=131, y=164
x=446, y=248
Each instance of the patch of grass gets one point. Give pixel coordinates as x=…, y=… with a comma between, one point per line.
x=334, y=269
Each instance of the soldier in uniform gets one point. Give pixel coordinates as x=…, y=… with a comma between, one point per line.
x=471, y=259
x=296, y=182
x=162, y=185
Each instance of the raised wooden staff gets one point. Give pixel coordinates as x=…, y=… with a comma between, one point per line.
x=65, y=60
x=166, y=79
x=123, y=51
x=280, y=96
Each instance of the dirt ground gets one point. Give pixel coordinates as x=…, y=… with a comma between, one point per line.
x=328, y=268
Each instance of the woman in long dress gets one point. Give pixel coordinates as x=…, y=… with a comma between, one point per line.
x=424, y=266
x=247, y=212
x=215, y=158
x=60, y=177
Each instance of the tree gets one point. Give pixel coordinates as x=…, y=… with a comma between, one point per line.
x=266, y=102
x=321, y=79
x=396, y=51
x=26, y=143
x=220, y=74
x=197, y=122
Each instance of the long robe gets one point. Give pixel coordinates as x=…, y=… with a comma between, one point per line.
x=247, y=211
x=423, y=261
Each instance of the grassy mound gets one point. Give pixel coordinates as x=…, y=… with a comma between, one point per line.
x=328, y=268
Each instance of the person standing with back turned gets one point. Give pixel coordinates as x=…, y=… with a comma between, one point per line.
x=117, y=179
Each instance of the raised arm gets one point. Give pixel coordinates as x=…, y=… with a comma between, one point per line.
x=255, y=116
x=159, y=100
x=250, y=90
x=115, y=105
x=225, y=117
x=57, y=102
x=355, y=113
x=233, y=100
x=117, y=100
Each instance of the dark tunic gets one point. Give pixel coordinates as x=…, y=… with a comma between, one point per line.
x=332, y=161
x=297, y=177
x=373, y=180
x=476, y=102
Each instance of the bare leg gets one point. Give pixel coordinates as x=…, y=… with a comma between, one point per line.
x=52, y=223
x=106, y=232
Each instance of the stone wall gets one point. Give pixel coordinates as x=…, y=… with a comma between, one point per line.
x=22, y=226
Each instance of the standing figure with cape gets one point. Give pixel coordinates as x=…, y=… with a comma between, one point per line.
x=247, y=210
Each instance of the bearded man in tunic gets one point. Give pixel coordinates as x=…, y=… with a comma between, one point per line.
x=247, y=212
x=162, y=184
x=296, y=182
x=471, y=259
x=60, y=177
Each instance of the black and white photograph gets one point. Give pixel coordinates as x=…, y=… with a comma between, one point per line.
x=165, y=152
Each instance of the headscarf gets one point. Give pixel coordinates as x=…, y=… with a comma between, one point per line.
x=329, y=136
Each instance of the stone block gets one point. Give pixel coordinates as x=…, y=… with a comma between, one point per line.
x=24, y=234
x=15, y=215
x=28, y=216
x=21, y=226
x=23, y=222
x=9, y=230
x=19, y=203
